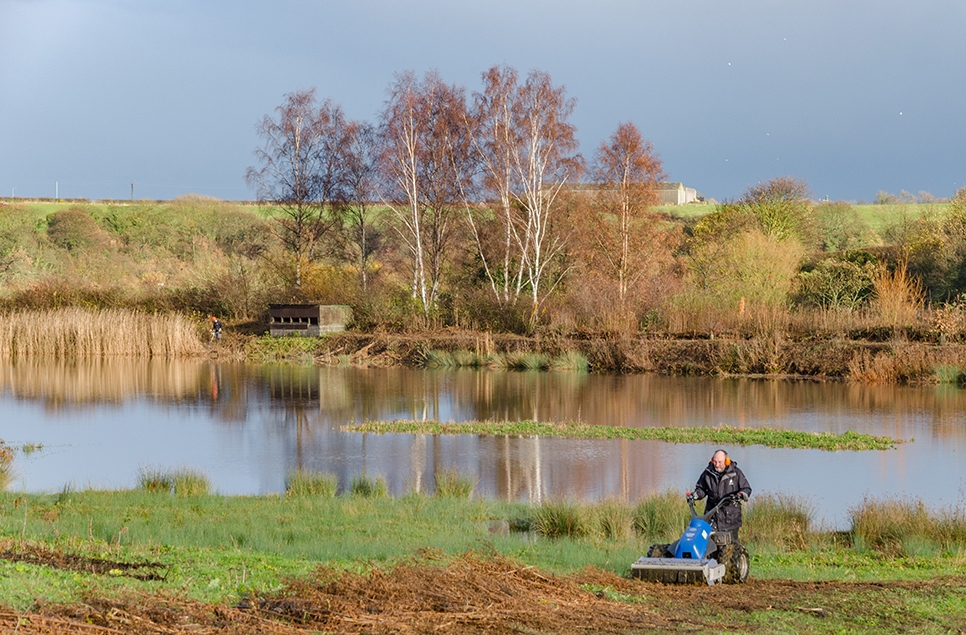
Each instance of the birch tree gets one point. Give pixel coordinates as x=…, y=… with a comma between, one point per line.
x=361, y=172
x=528, y=153
x=426, y=160
x=299, y=171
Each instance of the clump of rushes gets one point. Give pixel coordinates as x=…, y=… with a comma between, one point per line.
x=188, y=482
x=562, y=519
x=367, y=487
x=900, y=527
x=615, y=519
x=451, y=483
x=152, y=479
x=570, y=361
x=948, y=374
x=662, y=517
x=307, y=483
x=780, y=520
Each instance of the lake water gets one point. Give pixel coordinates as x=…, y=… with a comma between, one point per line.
x=247, y=426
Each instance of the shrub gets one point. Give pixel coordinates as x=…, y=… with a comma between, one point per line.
x=301, y=482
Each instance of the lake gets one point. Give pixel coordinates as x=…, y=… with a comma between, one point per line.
x=247, y=426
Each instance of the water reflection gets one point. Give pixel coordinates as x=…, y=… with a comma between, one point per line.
x=247, y=426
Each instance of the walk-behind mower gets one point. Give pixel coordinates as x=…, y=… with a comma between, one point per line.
x=700, y=555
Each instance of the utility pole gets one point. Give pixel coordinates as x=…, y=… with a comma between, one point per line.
x=132, y=190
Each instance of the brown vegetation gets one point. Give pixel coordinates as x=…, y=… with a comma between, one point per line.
x=475, y=594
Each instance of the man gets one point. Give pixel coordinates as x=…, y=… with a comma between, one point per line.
x=720, y=479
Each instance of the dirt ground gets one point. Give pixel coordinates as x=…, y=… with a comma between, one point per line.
x=473, y=594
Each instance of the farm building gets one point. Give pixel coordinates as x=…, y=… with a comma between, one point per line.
x=309, y=320
x=675, y=193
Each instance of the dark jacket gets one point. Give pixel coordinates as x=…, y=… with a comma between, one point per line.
x=716, y=485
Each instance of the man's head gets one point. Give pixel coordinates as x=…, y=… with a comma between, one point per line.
x=720, y=460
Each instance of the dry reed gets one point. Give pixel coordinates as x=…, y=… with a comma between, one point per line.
x=74, y=333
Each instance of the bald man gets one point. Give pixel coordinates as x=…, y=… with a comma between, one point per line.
x=720, y=479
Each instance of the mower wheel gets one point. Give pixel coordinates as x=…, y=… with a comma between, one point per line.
x=658, y=551
x=737, y=563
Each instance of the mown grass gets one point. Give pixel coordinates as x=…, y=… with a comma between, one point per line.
x=724, y=435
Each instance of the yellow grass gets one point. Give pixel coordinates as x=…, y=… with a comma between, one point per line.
x=76, y=333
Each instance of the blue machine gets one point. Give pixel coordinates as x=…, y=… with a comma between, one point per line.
x=694, y=557
x=694, y=541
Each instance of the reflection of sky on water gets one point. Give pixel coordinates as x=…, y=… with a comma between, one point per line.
x=247, y=426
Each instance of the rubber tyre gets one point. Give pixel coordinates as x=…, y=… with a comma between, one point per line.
x=737, y=563
x=658, y=551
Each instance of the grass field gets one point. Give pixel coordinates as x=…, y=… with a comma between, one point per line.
x=446, y=563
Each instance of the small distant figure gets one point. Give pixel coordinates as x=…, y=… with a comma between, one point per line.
x=215, y=328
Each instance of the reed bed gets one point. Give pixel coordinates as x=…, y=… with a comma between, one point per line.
x=75, y=333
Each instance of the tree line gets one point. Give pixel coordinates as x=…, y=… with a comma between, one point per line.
x=494, y=174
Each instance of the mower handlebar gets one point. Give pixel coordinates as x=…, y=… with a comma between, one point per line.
x=730, y=499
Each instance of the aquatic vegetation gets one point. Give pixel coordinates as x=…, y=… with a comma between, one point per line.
x=76, y=333
x=721, y=434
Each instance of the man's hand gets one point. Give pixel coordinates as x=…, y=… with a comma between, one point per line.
x=743, y=496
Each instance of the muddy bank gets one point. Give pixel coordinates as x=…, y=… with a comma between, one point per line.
x=876, y=358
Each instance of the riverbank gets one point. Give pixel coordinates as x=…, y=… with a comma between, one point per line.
x=884, y=356
x=137, y=561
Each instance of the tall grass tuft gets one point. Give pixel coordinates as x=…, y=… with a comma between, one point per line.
x=75, y=333
x=949, y=374
x=366, y=487
x=780, y=520
x=562, y=519
x=307, y=483
x=902, y=527
x=453, y=484
x=662, y=517
x=615, y=519
x=156, y=480
x=188, y=482
x=570, y=361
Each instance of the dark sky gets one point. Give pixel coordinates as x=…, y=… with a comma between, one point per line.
x=853, y=96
